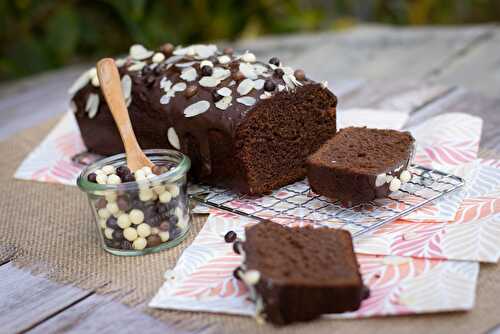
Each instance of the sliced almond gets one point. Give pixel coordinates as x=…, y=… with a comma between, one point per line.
x=173, y=139
x=196, y=108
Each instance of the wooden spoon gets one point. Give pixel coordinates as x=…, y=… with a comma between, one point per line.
x=111, y=87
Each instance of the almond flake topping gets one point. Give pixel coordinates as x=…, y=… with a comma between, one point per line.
x=199, y=51
x=81, y=82
x=173, y=139
x=209, y=81
x=139, y=52
x=170, y=90
x=188, y=64
x=224, y=91
x=224, y=103
x=248, y=70
x=245, y=87
x=246, y=100
x=189, y=74
x=259, y=83
x=196, y=108
x=126, y=83
x=92, y=105
x=265, y=95
x=137, y=66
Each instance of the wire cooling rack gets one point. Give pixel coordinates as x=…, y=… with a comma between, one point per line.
x=296, y=201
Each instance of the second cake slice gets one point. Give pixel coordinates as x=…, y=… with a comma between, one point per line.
x=360, y=164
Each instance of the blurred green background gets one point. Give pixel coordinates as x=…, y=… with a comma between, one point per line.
x=38, y=35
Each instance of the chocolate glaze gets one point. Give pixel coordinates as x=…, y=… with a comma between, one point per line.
x=209, y=139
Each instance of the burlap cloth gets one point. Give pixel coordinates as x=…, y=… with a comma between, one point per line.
x=49, y=228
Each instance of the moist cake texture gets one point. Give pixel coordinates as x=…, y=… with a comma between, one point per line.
x=245, y=124
x=360, y=164
x=297, y=274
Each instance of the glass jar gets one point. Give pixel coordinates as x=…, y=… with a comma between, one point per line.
x=143, y=216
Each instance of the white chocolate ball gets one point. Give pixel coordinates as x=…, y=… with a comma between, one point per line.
x=114, y=179
x=123, y=220
x=405, y=176
x=395, y=184
x=139, y=175
x=248, y=57
x=99, y=171
x=130, y=233
x=101, y=178
x=159, y=189
x=108, y=169
x=112, y=207
x=102, y=223
x=104, y=213
x=147, y=170
x=173, y=189
x=111, y=196
x=139, y=243
x=158, y=57
x=165, y=197
x=108, y=233
x=117, y=214
x=146, y=195
x=144, y=230
x=136, y=216
x=164, y=236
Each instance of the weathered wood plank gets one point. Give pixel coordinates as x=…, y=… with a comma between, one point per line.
x=98, y=314
x=478, y=70
x=472, y=103
x=383, y=52
x=27, y=300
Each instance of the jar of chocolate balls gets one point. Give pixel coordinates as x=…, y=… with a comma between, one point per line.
x=143, y=211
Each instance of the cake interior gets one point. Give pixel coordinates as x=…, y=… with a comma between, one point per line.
x=364, y=150
x=279, y=135
x=304, y=257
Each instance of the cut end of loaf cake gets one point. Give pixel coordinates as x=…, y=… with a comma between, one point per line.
x=360, y=164
x=303, y=272
x=276, y=139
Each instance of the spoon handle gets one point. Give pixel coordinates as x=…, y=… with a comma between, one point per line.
x=109, y=79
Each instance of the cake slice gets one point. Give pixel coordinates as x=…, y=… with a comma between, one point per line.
x=360, y=164
x=297, y=274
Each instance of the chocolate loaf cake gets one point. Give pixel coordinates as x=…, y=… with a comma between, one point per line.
x=297, y=274
x=246, y=125
x=361, y=164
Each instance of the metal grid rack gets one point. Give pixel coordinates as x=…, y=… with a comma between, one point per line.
x=297, y=202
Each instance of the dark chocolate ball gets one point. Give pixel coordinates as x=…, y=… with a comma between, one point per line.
x=216, y=96
x=112, y=223
x=230, y=236
x=164, y=226
x=153, y=240
x=167, y=49
x=116, y=244
x=92, y=177
x=128, y=178
x=118, y=234
x=190, y=91
x=122, y=170
x=275, y=61
x=126, y=244
x=101, y=203
x=207, y=71
x=279, y=72
x=158, y=170
x=123, y=203
x=269, y=86
x=299, y=75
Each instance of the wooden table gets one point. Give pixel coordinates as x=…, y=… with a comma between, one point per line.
x=426, y=71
